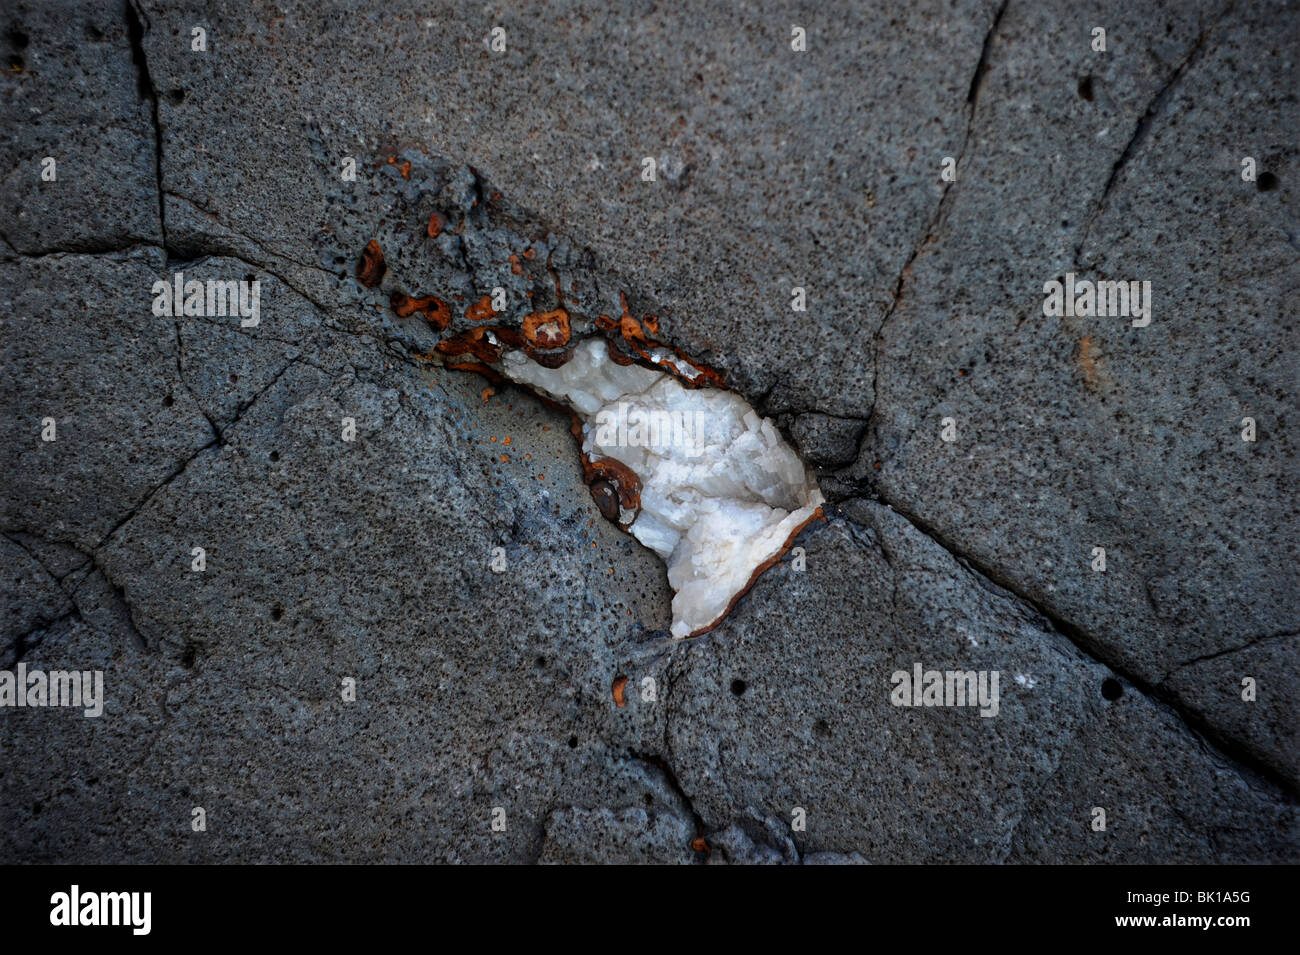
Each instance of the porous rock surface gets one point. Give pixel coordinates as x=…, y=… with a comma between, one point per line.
x=518, y=697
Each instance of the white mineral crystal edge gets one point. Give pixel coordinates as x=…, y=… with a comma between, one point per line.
x=721, y=491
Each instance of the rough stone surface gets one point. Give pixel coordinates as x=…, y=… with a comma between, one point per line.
x=493, y=695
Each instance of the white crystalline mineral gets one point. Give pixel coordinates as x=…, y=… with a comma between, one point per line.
x=721, y=494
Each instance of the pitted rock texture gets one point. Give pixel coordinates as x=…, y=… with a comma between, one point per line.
x=489, y=694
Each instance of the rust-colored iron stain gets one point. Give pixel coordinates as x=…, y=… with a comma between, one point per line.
x=471, y=342
x=703, y=373
x=474, y=341
x=436, y=222
x=547, y=329
x=620, y=684
x=628, y=324
x=548, y=359
x=530, y=253
x=622, y=477
x=481, y=310
x=515, y=267
x=606, y=497
x=617, y=355
x=507, y=336
x=436, y=312
x=491, y=374
x=1089, y=359
x=371, y=267
x=634, y=336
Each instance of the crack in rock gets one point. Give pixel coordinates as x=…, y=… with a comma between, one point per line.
x=1247, y=761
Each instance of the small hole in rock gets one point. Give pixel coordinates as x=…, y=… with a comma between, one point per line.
x=573, y=742
x=1266, y=182
x=168, y=401
x=277, y=612
x=275, y=455
x=541, y=662
x=1111, y=689
x=738, y=687
x=1085, y=88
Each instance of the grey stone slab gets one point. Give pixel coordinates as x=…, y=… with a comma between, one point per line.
x=70, y=91
x=546, y=697
x=1073, y=432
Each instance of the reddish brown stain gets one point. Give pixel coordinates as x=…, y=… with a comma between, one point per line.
x=371, y=267
x=436, y=312
x=636, y=340
x=620, y=684
x=1089, y=361
x=547, y=329
x=622, y=477
x=515, y=267
x=550, y=360
x=473, y=343
x=436, y=223
x=488, y=373
x=481, y=310
x=617, y=355
x=606, y=497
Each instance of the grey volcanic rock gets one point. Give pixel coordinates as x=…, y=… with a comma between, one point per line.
x=71, y=93
x=883, y=778
x=593, y=836
x=1075, y=433
x=516, y=695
